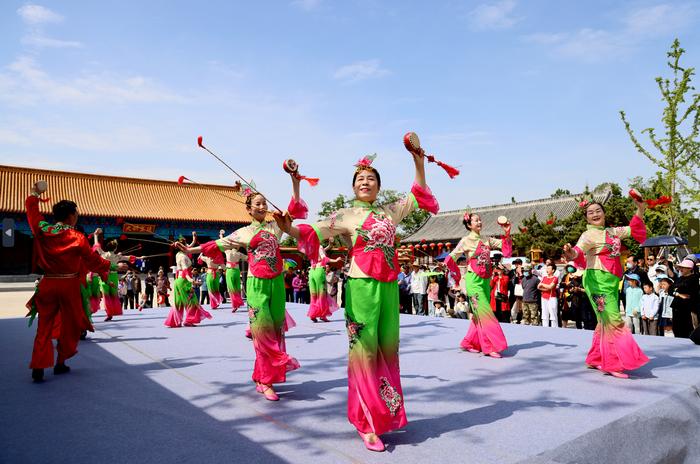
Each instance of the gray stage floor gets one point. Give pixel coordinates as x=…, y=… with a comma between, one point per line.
x=140, y=392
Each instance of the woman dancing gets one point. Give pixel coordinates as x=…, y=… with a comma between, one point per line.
x=212, y=280
x=375, y=397
x=264, y=288
x=113, y=306
x=598, y=252
x=322, y=305
x=484, y=333
x=233, y=275
x=185, y=298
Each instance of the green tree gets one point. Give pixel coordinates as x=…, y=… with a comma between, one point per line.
x=677, y=155
x=560, y=192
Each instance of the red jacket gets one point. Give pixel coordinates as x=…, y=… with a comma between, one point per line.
x=500, y=283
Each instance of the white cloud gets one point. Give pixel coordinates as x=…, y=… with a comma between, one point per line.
x=657, y=20
x=26, y=83
x=38, y=40
x=307, y=5
x=545, y=39
x=360, y=70
x=498, y=15
x=35, y=17
x=635, y=27
x=37, y=14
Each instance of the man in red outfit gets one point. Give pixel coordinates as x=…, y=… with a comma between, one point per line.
x=63, y=254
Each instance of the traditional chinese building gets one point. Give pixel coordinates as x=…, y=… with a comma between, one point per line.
x=132, y=210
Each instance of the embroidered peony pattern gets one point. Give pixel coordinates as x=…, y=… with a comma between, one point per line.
x=390, y=396
x=253, y=314
x=354, y=329
x=599, y=303
x=267, y=250
x=613, y=243
x=380, y=236
x=482, y=255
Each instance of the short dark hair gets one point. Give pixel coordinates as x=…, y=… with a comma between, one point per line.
x=371, y=169
x=63, y=209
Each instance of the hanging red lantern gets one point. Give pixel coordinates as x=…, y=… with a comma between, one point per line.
x=440, y=245
x=410, y=247
x=425, y=247
x=432, y=245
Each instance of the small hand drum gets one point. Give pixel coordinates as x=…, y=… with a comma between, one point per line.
x=40, y=186
x=411, y=142
x=502, y=220
x=290, y=166
x=636, y=195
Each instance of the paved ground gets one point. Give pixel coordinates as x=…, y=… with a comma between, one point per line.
x=140, y=392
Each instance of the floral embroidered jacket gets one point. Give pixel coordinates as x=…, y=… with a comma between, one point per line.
x=233, y=257
x=372, y=231
x=599, y=247
x=183, y=265
x=262, y=241
x=478, y=253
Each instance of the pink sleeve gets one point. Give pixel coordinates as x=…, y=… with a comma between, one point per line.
x=425, y=198
x=507, y=246
x=211, y=249
x=308, y=242
x=298, y=209
x=580, y=259
x=454, y=269
x=638, y=229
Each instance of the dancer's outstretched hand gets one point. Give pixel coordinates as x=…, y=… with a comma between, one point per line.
x=283, y=220
x=568, y=252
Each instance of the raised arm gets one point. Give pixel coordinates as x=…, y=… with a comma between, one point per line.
x=34, y=217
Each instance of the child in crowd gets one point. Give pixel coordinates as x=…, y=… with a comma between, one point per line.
x=650, y=308
x=439, y=307
x=461, y=310
x=665, y=310
x=433, y=291
x=633, y=304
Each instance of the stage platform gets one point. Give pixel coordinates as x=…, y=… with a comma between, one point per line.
x=140, y=392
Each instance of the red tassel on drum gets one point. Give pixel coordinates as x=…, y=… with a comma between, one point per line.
x=451, y=171
x=313, y=181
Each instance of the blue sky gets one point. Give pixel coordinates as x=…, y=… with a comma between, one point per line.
x=522, y=96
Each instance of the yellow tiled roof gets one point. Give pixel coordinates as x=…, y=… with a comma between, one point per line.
x=124, y=197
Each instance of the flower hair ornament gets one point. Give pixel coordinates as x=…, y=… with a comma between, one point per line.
x=584, y=202
x=248, y=189
x=365, y=163
x=468, y=215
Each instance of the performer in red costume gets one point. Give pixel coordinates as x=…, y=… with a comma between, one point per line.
x=64, y=255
